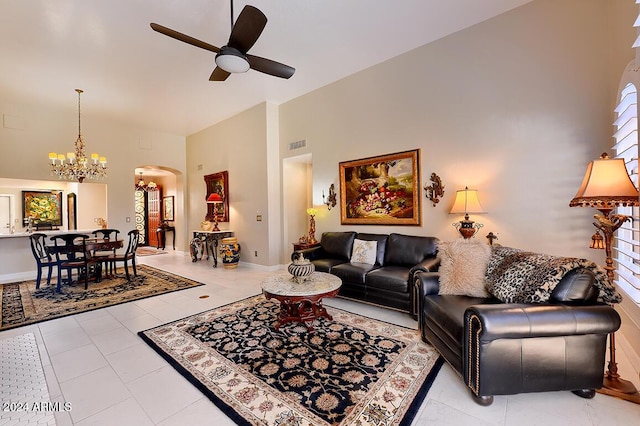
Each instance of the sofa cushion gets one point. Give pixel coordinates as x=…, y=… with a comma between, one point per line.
x=352, y=272
x=364, y=251
x=326, y=265
x=338, y=244
x=463, y=263
x=381, y=239
x=392, y=278
x=407, y=250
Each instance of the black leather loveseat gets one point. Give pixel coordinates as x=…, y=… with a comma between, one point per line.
x=507, y=348
x=386, y=280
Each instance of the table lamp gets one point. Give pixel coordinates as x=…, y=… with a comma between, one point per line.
x=215, y=199
x=312, y=225
x=606, y=185
x=467, y=202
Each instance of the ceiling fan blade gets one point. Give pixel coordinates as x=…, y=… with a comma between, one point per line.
x=219, y=74
x=270, y=67
x=184, y=38
x=247, y=29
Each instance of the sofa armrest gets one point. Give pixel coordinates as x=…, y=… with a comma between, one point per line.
x=518, y=348
x=309, y=253
x=430, y=264
x=424, y=284
x=515, y=321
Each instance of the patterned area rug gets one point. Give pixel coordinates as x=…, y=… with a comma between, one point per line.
x=149, y=251
x=22, y=304
x=351, y=371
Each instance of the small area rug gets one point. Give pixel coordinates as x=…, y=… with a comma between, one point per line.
x=22, y=304
x=350, y=371
x=149, y=251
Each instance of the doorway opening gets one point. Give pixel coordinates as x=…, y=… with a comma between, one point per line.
x=297, y=197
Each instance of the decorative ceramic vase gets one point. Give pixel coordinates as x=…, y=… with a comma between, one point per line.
x=301, y=268
x=230, y=252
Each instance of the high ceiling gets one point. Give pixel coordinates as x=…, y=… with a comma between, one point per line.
x=128, y=71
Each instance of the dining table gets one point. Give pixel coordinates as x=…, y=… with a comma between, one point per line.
x=92, y=245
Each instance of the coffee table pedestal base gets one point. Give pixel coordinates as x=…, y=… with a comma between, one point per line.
x=303, y=309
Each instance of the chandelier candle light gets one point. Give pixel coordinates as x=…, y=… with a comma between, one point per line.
x=606, y=185
x=141, y=185
x=77, y=165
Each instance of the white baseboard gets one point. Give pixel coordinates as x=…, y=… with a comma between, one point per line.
x=19, y=276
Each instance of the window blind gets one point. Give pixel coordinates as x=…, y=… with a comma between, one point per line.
x=626, y=247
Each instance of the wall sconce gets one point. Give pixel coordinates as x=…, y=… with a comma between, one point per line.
x=435, y=190
x=467, y=202
x=215, y=198
x=312, y=225
x=331, y=200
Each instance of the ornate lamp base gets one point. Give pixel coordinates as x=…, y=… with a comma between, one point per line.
x=467, y=228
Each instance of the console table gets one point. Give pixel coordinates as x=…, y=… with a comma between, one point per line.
x=210, y=239
x=161, y=234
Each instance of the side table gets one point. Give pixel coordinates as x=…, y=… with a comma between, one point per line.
x=301, y=302
x=161, y=234
x=211, y=239
x=302, y=246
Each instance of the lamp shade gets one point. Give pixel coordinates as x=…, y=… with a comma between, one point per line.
x=214, y=197
x=467, y=202
x=311, y=211
x=606, y=184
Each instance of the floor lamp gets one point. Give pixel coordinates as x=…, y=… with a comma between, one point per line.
x=606, y=185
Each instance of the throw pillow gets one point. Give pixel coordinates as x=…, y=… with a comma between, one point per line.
x=364, y=252
x=463, y=263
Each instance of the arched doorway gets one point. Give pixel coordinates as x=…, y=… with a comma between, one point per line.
x=155, y=193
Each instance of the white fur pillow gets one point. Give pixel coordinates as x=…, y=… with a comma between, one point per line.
x=463, y=263
x=364, y=252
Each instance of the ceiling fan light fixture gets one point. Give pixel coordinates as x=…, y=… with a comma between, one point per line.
x=232, y=60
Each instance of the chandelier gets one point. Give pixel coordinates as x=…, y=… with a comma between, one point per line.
x=77, y=166
x=142, y=186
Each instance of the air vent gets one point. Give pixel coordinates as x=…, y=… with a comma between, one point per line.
x=297, y=144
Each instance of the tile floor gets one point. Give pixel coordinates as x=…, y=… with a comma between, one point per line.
x=96, y=363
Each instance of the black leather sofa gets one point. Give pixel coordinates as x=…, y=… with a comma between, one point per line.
x=386, y=282
x=507, y=348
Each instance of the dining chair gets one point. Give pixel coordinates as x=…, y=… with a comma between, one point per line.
x=43, y=256
x=129, y=255
x=110, y=234
x=71, y=253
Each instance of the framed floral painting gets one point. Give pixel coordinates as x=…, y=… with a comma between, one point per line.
x=45, y=207
x=381, y=190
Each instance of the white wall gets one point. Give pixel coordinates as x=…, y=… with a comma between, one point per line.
x=238, y=145
x=43, y=128
x=515, y=107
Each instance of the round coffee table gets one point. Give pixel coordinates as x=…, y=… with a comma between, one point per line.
x=301, y=302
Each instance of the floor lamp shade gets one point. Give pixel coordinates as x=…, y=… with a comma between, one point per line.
x=606, y=184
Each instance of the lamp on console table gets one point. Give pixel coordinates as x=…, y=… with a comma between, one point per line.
x=215, y=199
x=606, y=185
x=467, y=202
x=312, y=225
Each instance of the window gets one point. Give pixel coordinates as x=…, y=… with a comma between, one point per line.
x=626, y=246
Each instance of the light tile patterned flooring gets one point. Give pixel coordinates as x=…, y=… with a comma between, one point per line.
x=96, y=363
x=24, y=393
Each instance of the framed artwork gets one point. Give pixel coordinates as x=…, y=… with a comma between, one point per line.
x=218, y=183
x=45, y=207
x=381, y=190
x=71, y=211
x=167, y=208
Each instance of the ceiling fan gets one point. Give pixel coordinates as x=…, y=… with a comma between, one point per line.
x=233, y=57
